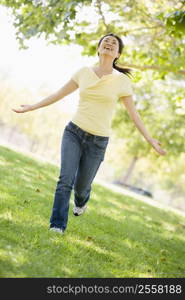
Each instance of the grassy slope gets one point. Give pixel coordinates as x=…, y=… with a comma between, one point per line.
x=116, y=237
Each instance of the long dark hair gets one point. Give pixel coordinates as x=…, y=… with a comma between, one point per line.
x=121, y=46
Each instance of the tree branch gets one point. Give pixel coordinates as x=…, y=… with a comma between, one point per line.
x=147, y=67
x=99, y=6
x=141, y=28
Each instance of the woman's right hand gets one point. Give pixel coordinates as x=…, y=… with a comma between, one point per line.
x=25, y=108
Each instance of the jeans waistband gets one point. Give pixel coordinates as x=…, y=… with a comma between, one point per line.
x=77, y=129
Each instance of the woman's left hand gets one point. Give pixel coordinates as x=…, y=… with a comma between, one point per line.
x=155, y=144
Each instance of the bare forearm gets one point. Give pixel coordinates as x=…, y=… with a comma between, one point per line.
x=134, y=115
x=67, y=89
x=47, y=101
x=140, y=126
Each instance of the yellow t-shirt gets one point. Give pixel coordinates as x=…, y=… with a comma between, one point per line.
x=98, y=98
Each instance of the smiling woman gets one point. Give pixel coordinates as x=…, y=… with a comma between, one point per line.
x=86, y=136
x=113, y=45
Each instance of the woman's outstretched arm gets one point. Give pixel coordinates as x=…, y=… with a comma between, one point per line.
x=67, y=89
x=134, y=115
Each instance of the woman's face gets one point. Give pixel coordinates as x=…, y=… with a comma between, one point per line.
x=109, y=46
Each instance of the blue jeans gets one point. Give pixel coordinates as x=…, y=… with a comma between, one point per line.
x=81, y=156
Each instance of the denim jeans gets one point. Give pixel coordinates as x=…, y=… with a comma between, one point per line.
x=81, y=156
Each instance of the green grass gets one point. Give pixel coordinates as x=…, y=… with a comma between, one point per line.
x=118, y=236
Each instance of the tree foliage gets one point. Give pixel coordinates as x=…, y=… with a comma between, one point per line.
x=162, y=109
x=155, y=28
x=154, y=36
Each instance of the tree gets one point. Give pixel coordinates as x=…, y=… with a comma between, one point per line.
x=153, y=32
x=155, y=28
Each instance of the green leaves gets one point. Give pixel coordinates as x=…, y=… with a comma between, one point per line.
x=154, y=30
x=35, y=17
x=153, y=34
x=175, y=22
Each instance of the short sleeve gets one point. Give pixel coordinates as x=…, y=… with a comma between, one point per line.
x=76, y=75
x=125, y=86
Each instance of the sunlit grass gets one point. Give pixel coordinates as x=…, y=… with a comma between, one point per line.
x=118, y=236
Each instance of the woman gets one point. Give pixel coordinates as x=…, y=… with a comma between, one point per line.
x=86, y=136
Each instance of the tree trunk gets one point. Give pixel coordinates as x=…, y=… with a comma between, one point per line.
x=128, y=174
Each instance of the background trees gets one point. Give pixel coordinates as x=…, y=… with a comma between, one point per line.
x=154, y=36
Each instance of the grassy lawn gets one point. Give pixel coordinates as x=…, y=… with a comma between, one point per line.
x=118, y=236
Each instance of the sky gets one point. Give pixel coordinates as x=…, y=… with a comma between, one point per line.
x=39, y=64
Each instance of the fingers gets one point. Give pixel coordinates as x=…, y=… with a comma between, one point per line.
x=158, y=142
x=14, y=110
x=158, y=148
x=17, y=110
x=161, y=151
x=23, y=108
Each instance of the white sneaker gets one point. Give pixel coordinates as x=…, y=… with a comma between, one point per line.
x=77, y=211
x=56, y=229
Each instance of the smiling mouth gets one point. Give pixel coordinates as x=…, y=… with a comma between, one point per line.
x=108, y=48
